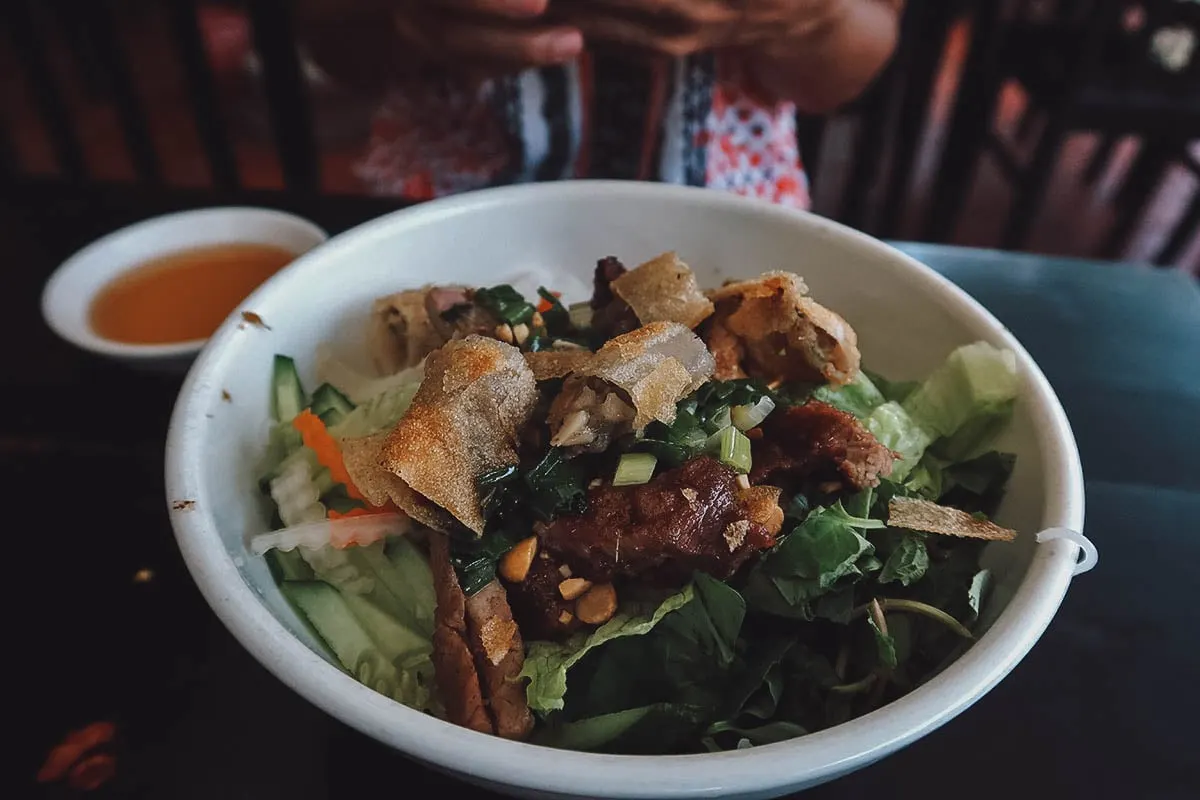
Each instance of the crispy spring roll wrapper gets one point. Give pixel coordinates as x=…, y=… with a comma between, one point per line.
x=361, y=458
x=923, y=515
x=453, y=662
x=476, y=396
x=663, y=290
x=767, y=328
x=550, y=364
x=655, y=366
x=400, y=332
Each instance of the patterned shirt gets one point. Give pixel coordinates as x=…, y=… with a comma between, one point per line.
x=695, y=121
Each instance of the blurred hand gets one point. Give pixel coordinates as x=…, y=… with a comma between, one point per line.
x=373, y=41
x=682, y=27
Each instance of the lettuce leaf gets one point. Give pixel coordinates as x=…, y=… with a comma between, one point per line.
x=378, y=413
x=822, y=554
x=967, y=400
x=896, y=429
x=547, y=663
x=643, y=730
x=859, y=397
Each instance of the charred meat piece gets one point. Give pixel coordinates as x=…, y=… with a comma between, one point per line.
x=767, y=328
x=499, y=656
x=817, y=442
x=611, y=315
x=477, y=653
x=454, y=313
x=453, y=664
x=538, y=606
x=693, y=517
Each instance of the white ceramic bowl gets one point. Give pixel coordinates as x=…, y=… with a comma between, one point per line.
x=908, y=319
x=68, y=296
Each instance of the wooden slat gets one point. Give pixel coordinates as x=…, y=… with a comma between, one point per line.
x=111, y=59
x=30, y=49
x=926, y=27
x=871, y=139
x=1183, y=232
x=287, y=97
x=810, y=135
x=202, y=90
x=970, y=119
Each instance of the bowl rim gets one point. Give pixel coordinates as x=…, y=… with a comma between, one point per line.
x=77, y=331
x=803, y=761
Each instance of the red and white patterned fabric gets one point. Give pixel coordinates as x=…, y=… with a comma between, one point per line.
x=699, y=123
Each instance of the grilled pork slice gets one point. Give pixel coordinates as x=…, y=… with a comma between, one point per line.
x=817, y=442
x=693, y=517
x=499, y=658
x=453, y=664
x=767, y=328
x=477, y=395
x=477, y=653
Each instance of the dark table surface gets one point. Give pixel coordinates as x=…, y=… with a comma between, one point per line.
x=1104, y=706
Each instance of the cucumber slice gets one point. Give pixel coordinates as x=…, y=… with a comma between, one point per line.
x=330, y=405
x=287, y=393
x=288, y=565
x=352, y=641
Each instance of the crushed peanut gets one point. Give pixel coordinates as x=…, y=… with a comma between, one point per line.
x=597, y=605
x=504, y=333
x=520, y=332
x=689, y=494
x=537, y=321
x=565, y=617
x=515, y=564
x=571, y=588
x=565, y=571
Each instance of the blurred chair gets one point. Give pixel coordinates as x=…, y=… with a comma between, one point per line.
x=1112, y=66
x=888, y=121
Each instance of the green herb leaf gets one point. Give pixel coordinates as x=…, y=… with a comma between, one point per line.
x=885, y=645
x=907, y=562
x=547, y=663
x=823, y=553
x=645, y=730
x=556, y=486
x=977, y=592
x=506, y=303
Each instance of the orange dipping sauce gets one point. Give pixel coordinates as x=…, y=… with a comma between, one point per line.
x=184, y=295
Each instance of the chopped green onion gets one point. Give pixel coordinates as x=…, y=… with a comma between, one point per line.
x=732, y=448
x=634, y=469
x=580, y=315
x=506, y=303
x=749, y=416
x=719, y=419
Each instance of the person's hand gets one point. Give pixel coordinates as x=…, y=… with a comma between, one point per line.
x=379, y=40
x=682, y=27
